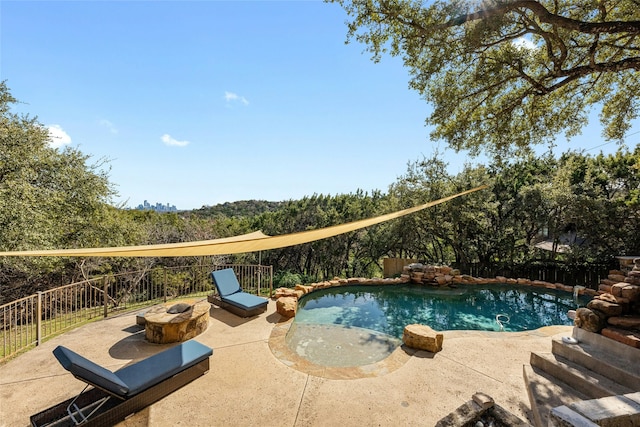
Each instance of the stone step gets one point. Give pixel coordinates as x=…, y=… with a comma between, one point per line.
x=619, y=366
x=627, y=337
x=586, y=381
x=613, y=347
x=611, y=411
x=545, y=393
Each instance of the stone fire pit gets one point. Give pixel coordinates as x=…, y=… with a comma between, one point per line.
x=176, y=321
x=481, y=411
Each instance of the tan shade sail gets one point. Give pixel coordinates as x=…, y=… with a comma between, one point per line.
x=252, y=242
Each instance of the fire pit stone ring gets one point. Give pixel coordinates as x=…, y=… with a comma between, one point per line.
x=176, y=322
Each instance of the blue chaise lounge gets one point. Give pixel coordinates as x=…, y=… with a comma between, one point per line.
x=109, y=397
x=231, y=297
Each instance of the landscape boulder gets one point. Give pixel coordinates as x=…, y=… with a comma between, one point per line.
x=287, y=306
x=422, y=337
x=607, y=307
x=589, y=320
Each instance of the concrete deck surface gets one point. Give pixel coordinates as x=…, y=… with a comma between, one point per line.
x=255, y=380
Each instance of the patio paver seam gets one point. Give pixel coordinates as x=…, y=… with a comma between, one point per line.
x=304, y=389
x=472, y=369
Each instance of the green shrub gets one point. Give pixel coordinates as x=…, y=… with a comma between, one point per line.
x=287, y=279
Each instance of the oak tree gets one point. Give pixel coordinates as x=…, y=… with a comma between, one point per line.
x=49, y=198
x=509, y=74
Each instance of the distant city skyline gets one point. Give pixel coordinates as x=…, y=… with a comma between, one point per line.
x=158, y=207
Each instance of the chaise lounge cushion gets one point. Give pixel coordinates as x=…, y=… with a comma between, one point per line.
x=163, y=365
x=231, y=297
x=226, y=282
x=245, y=301
x=90, y=372
x=135, y=378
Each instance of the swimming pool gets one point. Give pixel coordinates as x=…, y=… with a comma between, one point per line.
x=370, y=319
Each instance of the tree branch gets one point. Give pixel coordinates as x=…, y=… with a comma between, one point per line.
x=547, y=17
x=577, y=72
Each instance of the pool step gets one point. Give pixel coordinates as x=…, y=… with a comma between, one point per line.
x=616, y=361
x=611, y=411
x=590, y=383
x=593, y=368
x=547, y=392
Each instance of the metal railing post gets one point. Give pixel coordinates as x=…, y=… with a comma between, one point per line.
x=105, y=296
x=259, y=278
x=164, y=286
x=39, y=319
x=270, y=281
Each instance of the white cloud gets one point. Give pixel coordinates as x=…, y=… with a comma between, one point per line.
x=234, y=98
x=57, y=136
x=523, y=43
x=172, y=142
x=110, y=126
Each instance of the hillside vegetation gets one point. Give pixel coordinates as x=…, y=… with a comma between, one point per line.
x=238, y=209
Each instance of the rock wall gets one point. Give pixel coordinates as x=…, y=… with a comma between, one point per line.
x=447, y=276
x=615, y=311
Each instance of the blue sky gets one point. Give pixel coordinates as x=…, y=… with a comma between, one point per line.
x=203, y=102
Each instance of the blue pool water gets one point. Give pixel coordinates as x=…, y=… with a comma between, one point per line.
x=388, y=309
x=360, y=325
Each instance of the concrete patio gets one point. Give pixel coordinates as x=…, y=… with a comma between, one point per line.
x=255, y=380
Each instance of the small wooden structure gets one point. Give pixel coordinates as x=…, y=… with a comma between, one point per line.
x=392, y=267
